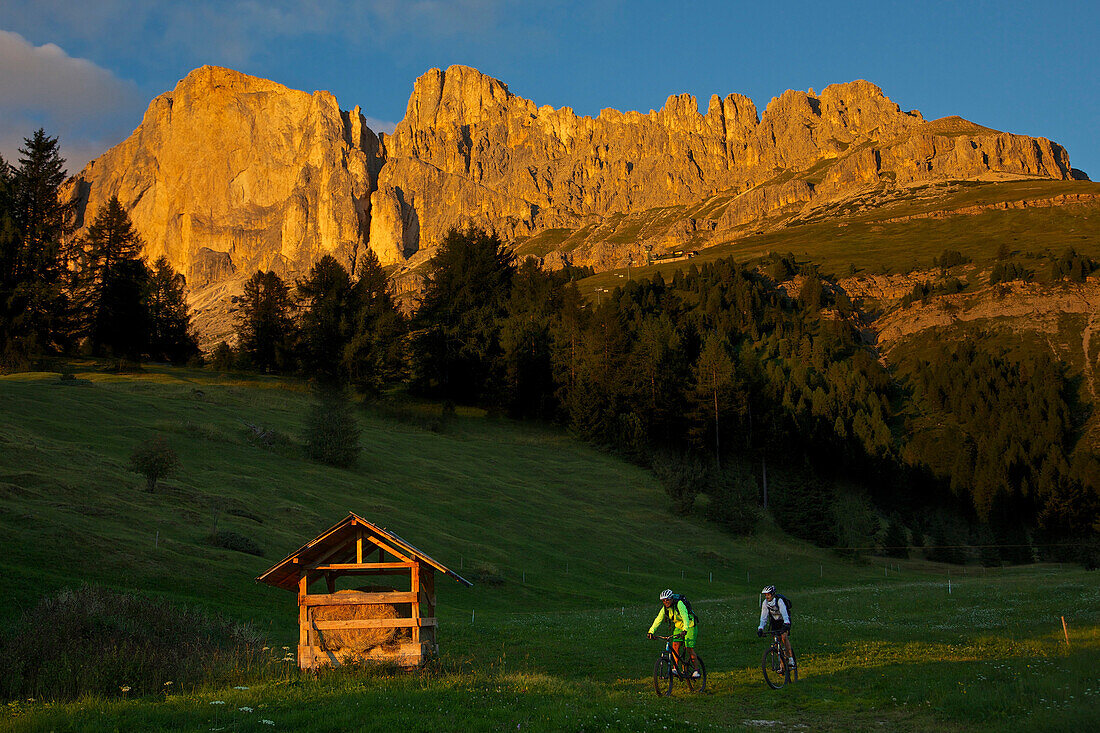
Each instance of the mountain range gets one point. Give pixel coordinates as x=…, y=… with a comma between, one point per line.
x=229, y=173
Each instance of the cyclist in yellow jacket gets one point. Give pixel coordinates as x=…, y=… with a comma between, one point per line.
x=676, y=613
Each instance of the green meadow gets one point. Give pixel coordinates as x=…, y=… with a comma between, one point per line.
x=876, y=241
x=567, y=547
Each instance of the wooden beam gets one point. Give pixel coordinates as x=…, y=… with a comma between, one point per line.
x=359, y=545
x=352, y=566
x=427, y=590
x=373, y=623
x=335, y=551
x=385, y=546
x=356, y=599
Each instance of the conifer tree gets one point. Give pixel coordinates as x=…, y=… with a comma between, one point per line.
x=264, y=324
x=456, y=348
x=325, y=323
x=714, y=397
x=526, y=341
x=113, y=284
x=170, y=335
x=375, y=352
x=34, y=305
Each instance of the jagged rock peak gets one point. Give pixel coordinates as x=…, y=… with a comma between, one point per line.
x=460, y=92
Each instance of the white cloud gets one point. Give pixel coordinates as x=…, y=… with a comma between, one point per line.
x=377, y=125
x=85, y=105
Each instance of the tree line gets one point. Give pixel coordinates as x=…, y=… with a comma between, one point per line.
x=708, y=374
x=93, y=294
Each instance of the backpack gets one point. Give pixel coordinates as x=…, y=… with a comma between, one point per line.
x=787, y=603
x=687, y=603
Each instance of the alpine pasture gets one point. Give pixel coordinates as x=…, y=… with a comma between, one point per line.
x=567, y=547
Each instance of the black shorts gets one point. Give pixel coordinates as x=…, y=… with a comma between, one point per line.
x=776, y=623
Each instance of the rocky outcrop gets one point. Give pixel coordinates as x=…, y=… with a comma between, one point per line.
x=469, y=151
x=228, y=173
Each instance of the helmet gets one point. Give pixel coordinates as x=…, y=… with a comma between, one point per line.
x=768, y=589
x=666, y=594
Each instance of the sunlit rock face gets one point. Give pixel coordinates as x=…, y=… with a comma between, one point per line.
x=228, y=173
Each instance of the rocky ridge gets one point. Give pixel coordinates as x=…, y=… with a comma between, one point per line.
x=228, y=173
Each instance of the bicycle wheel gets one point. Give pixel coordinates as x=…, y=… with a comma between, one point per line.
x=696, y=684
x=662, y=676
x=775, y=671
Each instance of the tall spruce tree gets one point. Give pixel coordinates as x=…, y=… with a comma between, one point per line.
x=324, y=326
x=715, y=398
x=122, y=324
x=9, y=256
x=264, y=324
x=170, y=335
x=375, y=352
x=34, y=305
x=114, y=283
x=456, y=349
x=526, y=341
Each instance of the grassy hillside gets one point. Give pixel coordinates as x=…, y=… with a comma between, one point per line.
x=884, y=237
x=568, y=548
x=493, y=499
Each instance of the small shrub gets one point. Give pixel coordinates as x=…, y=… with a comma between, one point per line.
x=93, y=641
x=485, y=573
x=332, y=433
x=895, y=543
x=229, y=540
x=950, y=258
x=154, y=459
x=221, y=359
x=733, y=502
x=681, y=476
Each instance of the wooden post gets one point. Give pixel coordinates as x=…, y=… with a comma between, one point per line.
x=359, y=546
x=414, y=572
x=303, y=618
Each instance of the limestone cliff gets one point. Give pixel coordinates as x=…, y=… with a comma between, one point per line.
x=228, y=173
x=470, y=151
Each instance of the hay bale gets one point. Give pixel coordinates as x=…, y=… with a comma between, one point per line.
x=354, y=641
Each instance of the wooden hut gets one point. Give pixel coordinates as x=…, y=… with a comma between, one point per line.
x=389, y=616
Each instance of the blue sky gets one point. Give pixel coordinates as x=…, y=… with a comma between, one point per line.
x=86, y=70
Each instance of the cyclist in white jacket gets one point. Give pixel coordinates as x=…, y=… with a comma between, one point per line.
x=773, y=609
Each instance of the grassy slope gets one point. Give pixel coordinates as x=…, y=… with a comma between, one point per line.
x=867, y=241
x=561, y=651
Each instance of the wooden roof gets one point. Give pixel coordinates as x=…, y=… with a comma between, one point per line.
x=285, y=573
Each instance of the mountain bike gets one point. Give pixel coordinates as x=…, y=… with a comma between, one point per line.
x=670, y=666
x=774, y=664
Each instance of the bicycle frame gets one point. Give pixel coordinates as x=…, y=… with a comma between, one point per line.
x=775, y=648
x=687, y=667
